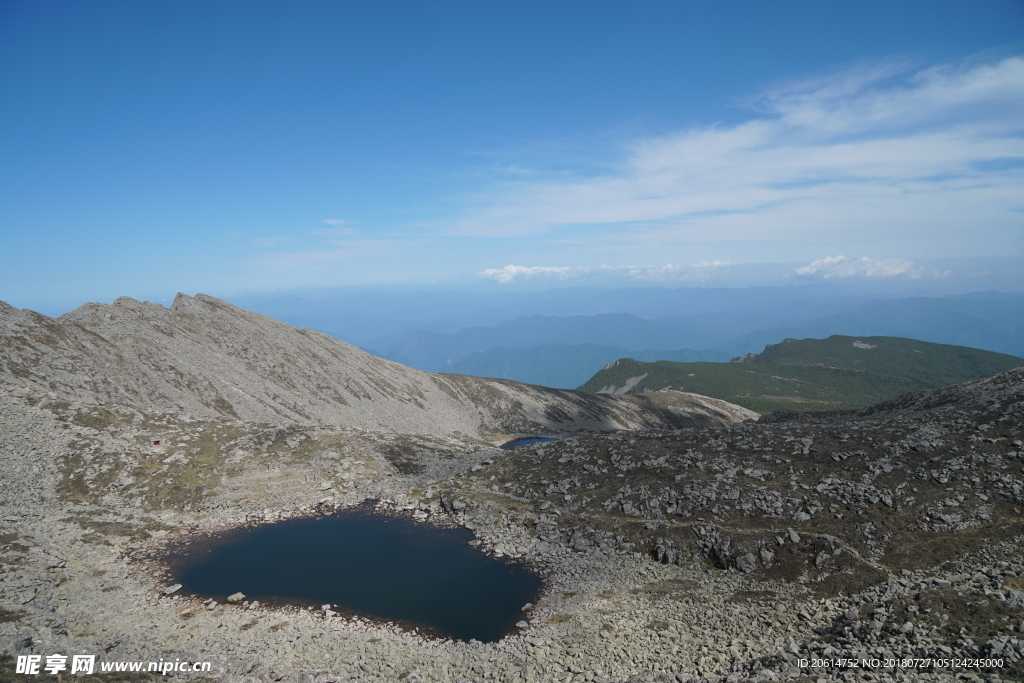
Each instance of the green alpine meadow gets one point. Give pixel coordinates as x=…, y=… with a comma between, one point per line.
x=837, y=373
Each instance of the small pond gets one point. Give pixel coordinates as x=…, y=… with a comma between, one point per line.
x=362, y=563
x=525, y=442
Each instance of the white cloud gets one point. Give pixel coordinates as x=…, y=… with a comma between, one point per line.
x=930, y=162
x=665, y=273
x=842, y=267
x=336, y=222
x=511, y=273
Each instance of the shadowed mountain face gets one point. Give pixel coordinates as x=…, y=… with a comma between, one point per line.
x=206, y=358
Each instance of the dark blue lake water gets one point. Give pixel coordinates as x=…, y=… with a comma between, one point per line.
x=525, y=442
x=385, y=568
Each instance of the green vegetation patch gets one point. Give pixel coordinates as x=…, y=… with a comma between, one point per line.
x=838, y=373
x=11, y=552
x=247, y=625
x=7, y=616
x=96, y=417
x=187, y=468
x=921, y=549
x=102, y=531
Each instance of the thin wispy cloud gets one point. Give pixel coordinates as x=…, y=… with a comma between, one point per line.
x=271, y=241
x=827, y=268
x=511, y=273
x=841, y=267
x=338, y=228
x=878, y=160
x=930, y=162
x=666, y=273
x=335, y=233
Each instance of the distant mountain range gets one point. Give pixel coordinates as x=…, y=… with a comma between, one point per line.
x=439, y=352
x=378, y=318
x=564, y=351
x=840, y=372
x=558, y=365
x=985, y=320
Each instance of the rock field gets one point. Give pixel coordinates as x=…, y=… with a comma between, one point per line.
x=680, y=540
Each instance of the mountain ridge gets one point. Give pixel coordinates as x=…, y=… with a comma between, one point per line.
x=205, y=357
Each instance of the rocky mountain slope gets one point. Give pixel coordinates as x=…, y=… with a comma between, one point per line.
x=203, y=357
x=779, y=549
x=901, y=524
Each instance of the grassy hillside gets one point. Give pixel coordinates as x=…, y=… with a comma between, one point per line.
x=812, y=374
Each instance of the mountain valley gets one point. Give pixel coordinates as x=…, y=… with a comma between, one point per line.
x=680, y=538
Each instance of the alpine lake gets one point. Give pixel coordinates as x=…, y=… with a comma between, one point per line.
x=367, y=564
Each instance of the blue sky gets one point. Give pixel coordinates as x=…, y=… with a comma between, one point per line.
x=227, y=147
